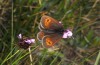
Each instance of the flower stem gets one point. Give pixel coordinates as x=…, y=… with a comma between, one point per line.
x=30, y=55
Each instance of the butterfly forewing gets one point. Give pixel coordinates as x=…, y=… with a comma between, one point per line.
x=50, y=23
x=40, y=28
x=50, y=40
x=47, y=31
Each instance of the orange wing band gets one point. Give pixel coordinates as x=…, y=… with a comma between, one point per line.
x=47, y=22
x=49, y=42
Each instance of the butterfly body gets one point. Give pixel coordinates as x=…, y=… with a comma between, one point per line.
x=51, y=31
x=58, y=31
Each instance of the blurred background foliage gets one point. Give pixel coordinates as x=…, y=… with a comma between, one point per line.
x=23, y=16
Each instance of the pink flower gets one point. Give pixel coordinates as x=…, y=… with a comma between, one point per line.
x=67, y=34
x=25, y=42
x=29, y=41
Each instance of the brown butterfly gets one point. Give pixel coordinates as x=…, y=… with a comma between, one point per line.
x=51, y=31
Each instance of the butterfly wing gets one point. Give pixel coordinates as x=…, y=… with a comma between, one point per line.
x=46, y=31
x=49, y=23
x=50, y=40
x=41, y=34
x=40, y=28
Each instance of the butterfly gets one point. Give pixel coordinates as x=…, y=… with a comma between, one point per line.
x=51, y=31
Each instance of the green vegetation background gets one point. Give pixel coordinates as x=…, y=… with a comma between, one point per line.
x=23, y=16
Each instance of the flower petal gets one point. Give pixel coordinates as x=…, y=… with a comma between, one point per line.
x=67, y=34
x=20, y=36
x=29, y=41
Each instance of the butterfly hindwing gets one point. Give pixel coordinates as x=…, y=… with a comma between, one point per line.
x=41, y=34
x=50, y=40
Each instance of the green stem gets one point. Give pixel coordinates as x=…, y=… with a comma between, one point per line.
x=97, y=59
x=30, y=56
